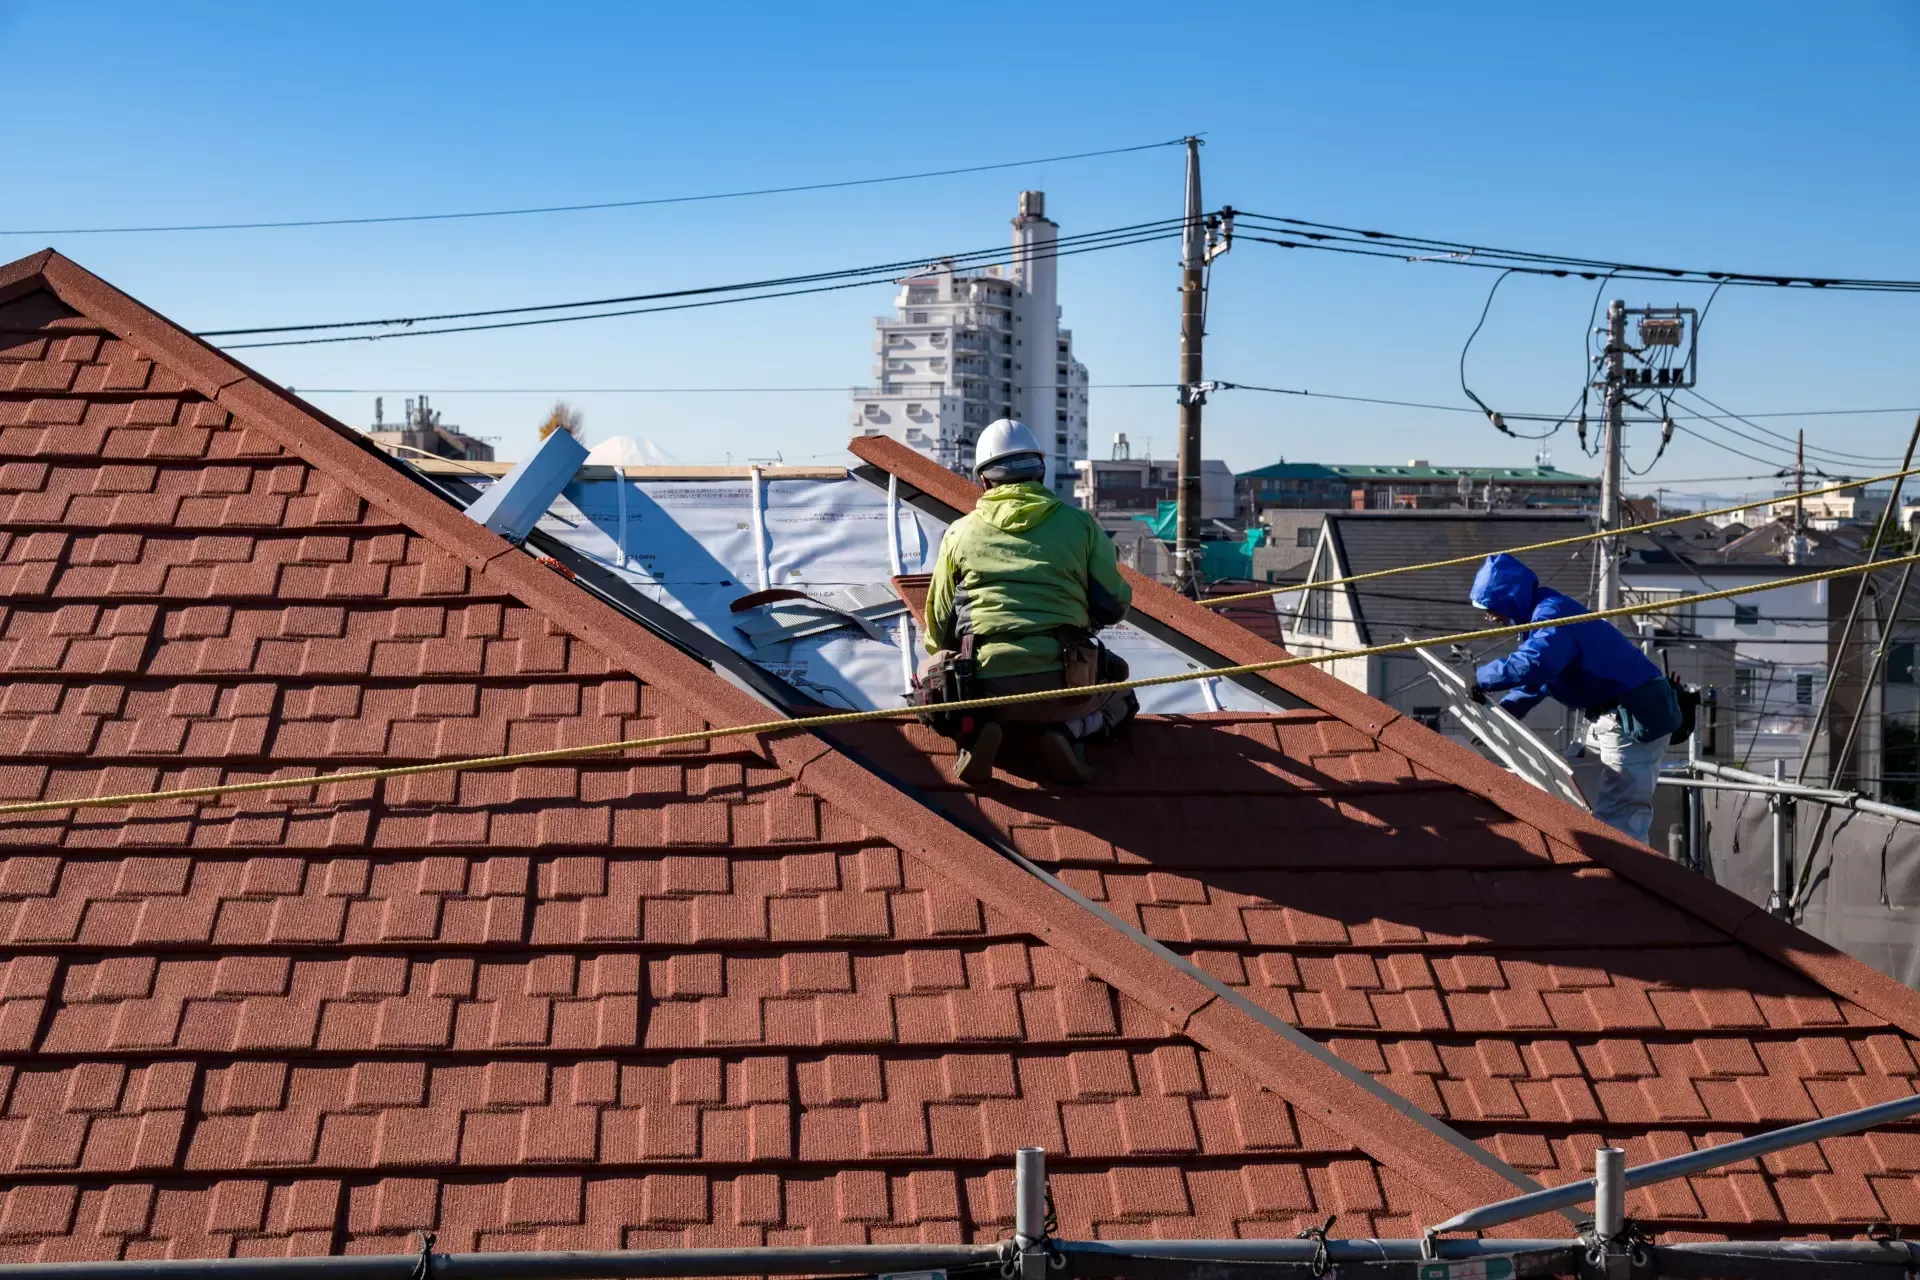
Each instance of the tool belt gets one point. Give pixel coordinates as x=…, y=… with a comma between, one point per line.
x=954, y=676
x=951, y=677
x=1079, y=657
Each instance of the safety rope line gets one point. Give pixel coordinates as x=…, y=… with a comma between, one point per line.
x=1215, y=602
x=837, y=719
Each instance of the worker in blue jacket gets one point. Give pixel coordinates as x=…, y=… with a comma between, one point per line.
x=1630, y=706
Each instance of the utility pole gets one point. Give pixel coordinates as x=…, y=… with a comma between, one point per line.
x=1193, y=391
x=1611, y=432
x=1800, y=484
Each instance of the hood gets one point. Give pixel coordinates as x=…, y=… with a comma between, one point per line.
x=1016, y=508
x=1506, y=587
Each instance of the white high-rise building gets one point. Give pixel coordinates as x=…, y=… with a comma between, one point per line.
x=968, y=347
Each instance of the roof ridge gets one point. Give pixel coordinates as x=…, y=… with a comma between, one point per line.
x=1557, y=821
x=1377, y=1128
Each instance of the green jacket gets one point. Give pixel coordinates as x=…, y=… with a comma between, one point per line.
x=1020, y=565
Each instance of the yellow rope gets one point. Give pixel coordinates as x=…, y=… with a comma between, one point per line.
x=898, y=713
x=1215, y=602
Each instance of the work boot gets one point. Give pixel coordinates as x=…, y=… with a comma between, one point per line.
x=1061, y=757
x=975, y=764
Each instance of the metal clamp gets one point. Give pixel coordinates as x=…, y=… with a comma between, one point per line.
x=1322, y=1263
x=423, y=1268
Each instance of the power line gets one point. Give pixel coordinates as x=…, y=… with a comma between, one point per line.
x=1820, y=456
x=581, y=208
x=1839, y=453
x=1333, y=238
x=885, y=269
x=871, y=279
x=629, y=391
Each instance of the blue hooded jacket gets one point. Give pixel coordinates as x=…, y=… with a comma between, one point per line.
x=1588, y=665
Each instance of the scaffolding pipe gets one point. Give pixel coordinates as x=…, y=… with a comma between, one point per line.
x=1711, y=784
x=1839, y=799
x=1735, y=1260
x=1609, y=1192
x=620, y=1264
x=1029, y=1196
x=1696, y=810
x=1573, y=1193
x=1781, y=893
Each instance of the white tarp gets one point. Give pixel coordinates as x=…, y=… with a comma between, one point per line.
x=696, y=546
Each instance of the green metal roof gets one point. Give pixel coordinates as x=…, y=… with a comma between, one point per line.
x=1341, y=471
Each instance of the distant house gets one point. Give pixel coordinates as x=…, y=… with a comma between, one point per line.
x=1417, y=486
x=1431, y=602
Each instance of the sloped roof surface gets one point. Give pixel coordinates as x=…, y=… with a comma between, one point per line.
x=1434, y=601
x=1503, y=961
x=745, y=990
x=732, y=992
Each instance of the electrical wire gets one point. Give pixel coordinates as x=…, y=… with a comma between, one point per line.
x=580, y=208
x=884, y=269
x=1379, y=244
x=631, y=391
x=1839, y=453
x=633, y=311
x=1486, y=308
x=1786, y=461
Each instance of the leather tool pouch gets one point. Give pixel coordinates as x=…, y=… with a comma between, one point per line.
x=951, y=678
x=1079, y=658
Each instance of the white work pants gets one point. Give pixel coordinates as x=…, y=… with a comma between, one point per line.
x=1628, y=773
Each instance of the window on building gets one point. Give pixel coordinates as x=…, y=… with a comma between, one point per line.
x=1428, y=716
x=1746, y=684
x=1316, y=613
x=1803, y=688
x=1900, y=663
x=1675, y=621
x=1306, y=535
x=919, y=317
x=1746, y=615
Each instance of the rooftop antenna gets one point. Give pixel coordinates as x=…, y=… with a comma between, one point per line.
x=379, y=413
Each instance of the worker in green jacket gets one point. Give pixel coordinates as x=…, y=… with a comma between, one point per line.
x=1021, y=585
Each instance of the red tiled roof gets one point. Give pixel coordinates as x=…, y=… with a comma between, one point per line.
x=733, y=991
x=741, y=990
x=1502, y=960
x=1257, y=616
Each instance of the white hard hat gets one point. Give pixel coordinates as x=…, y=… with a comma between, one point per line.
x=1001, y=440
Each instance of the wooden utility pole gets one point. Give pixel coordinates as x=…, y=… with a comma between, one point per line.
x=1193, y=390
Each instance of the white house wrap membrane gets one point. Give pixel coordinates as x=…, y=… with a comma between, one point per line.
x=697, y=546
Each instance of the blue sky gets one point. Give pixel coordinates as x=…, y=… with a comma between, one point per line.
x=1767, y=137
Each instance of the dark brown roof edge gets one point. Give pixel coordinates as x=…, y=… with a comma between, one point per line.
x=1388, y=1136
x=1717, y=906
